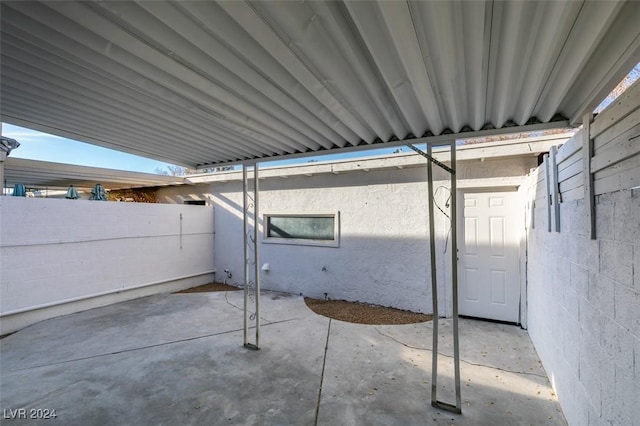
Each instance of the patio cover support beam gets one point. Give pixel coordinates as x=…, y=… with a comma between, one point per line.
x=454, y=278
x=251, y=245
x=430, y=157
x=457, y=408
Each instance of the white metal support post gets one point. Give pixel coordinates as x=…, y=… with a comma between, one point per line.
x=589, y=195
x=434, y=283
x=457, y=408
x=251, y=255
x=547, y=185
x=555, y=190
x=454, y=284
x=3, y=157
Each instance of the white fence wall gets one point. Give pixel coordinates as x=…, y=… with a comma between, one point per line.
x=583, y=293
x=57, y=256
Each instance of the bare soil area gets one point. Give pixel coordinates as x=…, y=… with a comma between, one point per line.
x=363, y=313
x=355, y=312
x=206, y=288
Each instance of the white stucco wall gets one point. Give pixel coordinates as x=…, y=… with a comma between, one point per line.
x=383, y=256
x=383, y=253
x=57, y=254
x=584, y=308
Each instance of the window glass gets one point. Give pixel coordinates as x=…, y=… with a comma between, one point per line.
x=311, y=229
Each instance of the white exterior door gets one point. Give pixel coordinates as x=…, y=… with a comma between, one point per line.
x=489, y=262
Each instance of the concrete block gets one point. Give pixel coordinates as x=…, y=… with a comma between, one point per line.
x=71, y=249
x=616, y=261
x=59, y=256
x=627, y=392
x=579, y=223
x=570, y=346
x=593, y=389
x=636, y=266
x=579, y=279
x=562, y=269
x=626, y=218
x=605, y=220
x=584, y=252
x=554, y=242
x=565, y=218
x=590, y=320
x=601, y=291
x=604, y=366
x=583, y=407
x=568, y=397
x=636, y=357
x=614, y=415
x=41, y=272
x=618, y=343
x=571, y=301
x=627, y=301
x=608, y=380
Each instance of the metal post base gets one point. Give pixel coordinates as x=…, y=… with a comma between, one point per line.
x=251, y=346
x=446, y=406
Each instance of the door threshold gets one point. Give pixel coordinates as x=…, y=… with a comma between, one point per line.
x=490, y=320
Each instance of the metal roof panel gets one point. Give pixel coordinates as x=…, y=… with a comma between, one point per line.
x=202, y=83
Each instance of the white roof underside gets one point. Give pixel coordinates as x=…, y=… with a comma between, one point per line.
x=200, y=83
x=43, y=174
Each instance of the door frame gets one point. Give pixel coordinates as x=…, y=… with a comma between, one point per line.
x=522, y=248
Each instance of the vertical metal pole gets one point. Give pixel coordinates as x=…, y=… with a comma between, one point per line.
x=245, y=218
x=3, y=157
x=434, y=282
x=454, y=277
x=256, y=233
x=457, y=408
x=547, y=183
x=555, y=199
x=589, y=195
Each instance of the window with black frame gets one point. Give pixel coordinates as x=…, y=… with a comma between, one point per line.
x=302, y=229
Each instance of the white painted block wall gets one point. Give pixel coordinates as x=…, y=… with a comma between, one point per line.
x=56, y=250
x=383, y=256
x=584, y=308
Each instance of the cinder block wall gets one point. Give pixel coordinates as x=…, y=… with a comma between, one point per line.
x=61, y=256
x=383, y=256
x=584, y=308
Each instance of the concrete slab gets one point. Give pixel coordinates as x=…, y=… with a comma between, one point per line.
x=178, y=359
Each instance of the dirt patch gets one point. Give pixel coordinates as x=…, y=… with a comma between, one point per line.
x=363, y=313
x=355, y=312
x=205, y=288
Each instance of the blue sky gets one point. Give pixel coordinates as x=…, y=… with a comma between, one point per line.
x=35, y=145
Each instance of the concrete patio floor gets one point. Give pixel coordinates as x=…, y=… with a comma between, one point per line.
x=178, y=359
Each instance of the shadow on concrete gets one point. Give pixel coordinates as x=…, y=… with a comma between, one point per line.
x=178, y=359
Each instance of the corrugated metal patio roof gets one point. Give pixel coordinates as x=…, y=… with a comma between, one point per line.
x=43, y=174
x=201, y=83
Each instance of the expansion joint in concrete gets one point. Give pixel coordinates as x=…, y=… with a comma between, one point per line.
x=324, y=362
x=242, y=309
x=143, y=347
